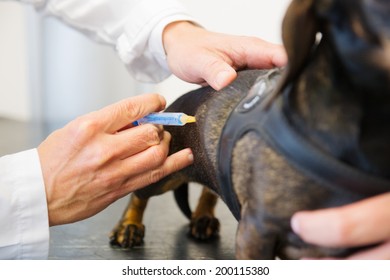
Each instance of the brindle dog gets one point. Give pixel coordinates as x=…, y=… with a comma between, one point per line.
x=316, y=136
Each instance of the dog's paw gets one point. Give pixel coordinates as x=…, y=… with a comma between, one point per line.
x=127, y=236
x=204, y=228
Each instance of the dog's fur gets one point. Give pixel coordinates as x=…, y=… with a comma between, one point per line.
x=340, y=100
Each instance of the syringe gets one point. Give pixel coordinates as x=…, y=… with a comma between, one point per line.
x=166, y=118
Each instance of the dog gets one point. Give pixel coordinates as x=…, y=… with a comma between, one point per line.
x=313, y=135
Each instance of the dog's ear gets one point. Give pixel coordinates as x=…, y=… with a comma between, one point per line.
x=299, y=31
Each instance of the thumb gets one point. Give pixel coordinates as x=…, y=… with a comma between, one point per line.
x=219, y=74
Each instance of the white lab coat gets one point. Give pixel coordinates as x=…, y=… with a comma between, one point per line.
x=134, y=29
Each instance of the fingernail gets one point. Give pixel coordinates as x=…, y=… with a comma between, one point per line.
x=191, y=156
x=162, y=100
x=222, y=79
x=295, y=224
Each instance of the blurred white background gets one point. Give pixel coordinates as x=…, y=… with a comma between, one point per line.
x=50, y=72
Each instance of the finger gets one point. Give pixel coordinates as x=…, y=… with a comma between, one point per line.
x=122, y=113
x=148, y=159
x=252, y=53
x=173, y=163
x=380, y=252
x=358, y=224
x=126, y=171
x=261, y=54
x=217, y=73
x=136, y=139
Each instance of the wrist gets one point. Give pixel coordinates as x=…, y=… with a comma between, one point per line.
x=175, y=31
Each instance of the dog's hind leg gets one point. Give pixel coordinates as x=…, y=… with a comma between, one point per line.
x=204, y=225
x=129, y=231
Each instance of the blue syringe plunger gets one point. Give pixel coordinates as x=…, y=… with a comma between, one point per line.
x=166, y=118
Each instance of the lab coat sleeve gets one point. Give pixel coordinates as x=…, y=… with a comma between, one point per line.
x=133, y=27
x=23, y=207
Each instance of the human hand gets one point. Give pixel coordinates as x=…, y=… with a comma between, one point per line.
x=99, y=158
x=362, y=223
x=199, y=56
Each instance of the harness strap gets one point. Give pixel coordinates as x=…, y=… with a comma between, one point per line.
x=245, y=117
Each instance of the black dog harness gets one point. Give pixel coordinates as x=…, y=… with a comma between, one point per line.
x=273, y=125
